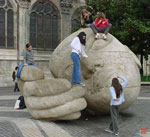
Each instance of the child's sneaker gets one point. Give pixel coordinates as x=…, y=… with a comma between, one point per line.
x=104, y=36
x=108, y=130
x=74, y=84
x=117, y=133
x=81, y=84
x=97, y=35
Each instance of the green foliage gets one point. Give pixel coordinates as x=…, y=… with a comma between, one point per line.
x=145, y=78
x=130, y=20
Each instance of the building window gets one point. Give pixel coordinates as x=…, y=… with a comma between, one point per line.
x=44, y=26
x=6, y=24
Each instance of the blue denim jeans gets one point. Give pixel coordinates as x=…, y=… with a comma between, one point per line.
x=21, y=67
x=76, y=78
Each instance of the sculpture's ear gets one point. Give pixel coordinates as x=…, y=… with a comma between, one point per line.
x=134, y=57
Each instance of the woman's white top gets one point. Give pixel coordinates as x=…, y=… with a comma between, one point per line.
x=113, y=93
x=77, y=46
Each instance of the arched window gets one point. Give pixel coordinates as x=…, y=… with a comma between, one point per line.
x=6, y=24
x=44, y=26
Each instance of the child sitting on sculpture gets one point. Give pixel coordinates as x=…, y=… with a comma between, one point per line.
x=28, y=59
x=101, y=25
x=86, y=18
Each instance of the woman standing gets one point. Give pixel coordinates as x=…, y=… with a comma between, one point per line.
x=117, y=97
x=77, y=51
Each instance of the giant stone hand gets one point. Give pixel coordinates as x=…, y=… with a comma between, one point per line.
x=53, y=99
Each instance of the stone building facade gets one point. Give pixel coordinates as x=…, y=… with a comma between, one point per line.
x=43, y=23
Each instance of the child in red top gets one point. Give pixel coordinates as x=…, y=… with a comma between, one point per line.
x=101, y=25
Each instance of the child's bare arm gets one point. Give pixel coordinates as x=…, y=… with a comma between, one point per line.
x=117, y=99
x=99, y=21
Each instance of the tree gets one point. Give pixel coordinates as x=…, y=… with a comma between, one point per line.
x=130, y=20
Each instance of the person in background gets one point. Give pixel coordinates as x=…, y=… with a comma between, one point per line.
x=28, y=58
x=101, y=25
x=86, y=18
x=15, y=79
x=117, y=97
x=77, y=51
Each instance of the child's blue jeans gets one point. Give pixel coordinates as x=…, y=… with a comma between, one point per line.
x=76, y=78
x=20, y=68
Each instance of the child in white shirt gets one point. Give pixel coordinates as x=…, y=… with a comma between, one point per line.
x=77, y=51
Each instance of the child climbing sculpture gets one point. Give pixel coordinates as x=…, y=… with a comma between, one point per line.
x=77, y=51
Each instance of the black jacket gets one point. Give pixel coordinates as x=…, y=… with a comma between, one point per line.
x=14, y=75
x=88, y=21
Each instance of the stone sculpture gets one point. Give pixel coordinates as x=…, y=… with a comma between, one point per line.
x=52, y=99
x=56, y=99
x=106, y=60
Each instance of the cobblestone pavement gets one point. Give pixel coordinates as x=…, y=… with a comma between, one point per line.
x=19, y=123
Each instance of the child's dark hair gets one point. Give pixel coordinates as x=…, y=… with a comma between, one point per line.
x=28, y=45
x=117, y=86
x=16, y=67
x=81, y=34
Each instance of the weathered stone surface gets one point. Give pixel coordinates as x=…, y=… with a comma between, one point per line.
x=72, y=116
x=31, y=73
x=59, y=111
x=21, y=85
x=53, y=99
x=106, y=60
x=46, y=87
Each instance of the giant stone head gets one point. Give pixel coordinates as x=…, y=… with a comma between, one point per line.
x=106, y=59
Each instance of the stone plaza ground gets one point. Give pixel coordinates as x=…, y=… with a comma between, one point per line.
x=134, y=121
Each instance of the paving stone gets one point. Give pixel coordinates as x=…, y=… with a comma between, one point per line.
x=7, y=103
x=19, y=123
x=52, y=130
x=28, y=128
x=9, y=129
